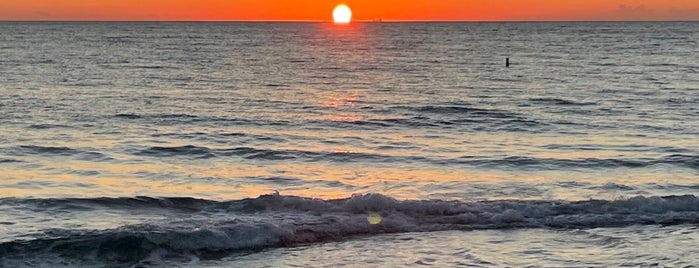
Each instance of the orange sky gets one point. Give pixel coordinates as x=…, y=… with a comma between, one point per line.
x=320, y=10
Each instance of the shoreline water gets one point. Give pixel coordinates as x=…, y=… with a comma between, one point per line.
x=158, y=144
x=208, y=231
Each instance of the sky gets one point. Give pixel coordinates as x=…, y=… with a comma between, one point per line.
x=321, y=10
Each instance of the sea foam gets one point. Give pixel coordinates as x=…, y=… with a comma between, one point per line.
x=206, y=227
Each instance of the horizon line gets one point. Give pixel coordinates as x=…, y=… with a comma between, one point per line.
x=354, y=21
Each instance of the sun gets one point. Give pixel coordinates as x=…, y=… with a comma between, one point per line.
x=342, y=14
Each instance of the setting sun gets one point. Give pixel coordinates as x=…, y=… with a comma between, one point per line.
x=342, y=14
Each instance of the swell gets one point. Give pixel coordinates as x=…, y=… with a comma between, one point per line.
x=261, y=154
x=531, y=211
x=686, y=160
x=505, y=123
x=518, y=162
x=51, y=151
x=557, y=101
x=690, y=161
x=443, y=117
x=460, y=109
x=3, y=161
x=83, y=204
x=458, y=115
x=47, y=126
x=215, y=228
x=178, y=119
x=157, y=116
x=677, y=160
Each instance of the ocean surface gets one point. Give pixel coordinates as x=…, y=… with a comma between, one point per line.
x=369, y=144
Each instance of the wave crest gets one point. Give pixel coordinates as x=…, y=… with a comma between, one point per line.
x=208, y=227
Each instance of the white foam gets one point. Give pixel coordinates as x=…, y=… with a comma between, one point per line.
x=277, y=221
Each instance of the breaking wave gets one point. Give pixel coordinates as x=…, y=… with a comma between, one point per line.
x=205, y=228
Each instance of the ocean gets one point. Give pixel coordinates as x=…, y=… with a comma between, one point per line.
x=153, y=144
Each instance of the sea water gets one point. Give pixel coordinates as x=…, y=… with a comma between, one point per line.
x=126, y=144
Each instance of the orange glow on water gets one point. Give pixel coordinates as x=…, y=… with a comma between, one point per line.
x=335, y=103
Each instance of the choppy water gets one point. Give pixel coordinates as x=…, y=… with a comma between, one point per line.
x=149, y=143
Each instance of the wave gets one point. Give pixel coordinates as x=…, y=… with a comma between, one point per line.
x=155, y=116
x=82, y=154
x=138, y=203
x=442, y=117
x=554, y=164
x=206, y=228
x=128, y=116
x=464, y=110
x=456, y=115
x=187, y=150
x=262, y=154
x=509, y=124
x=557, y=101
x=47, y=126
x=2, y=161
x=176, y=119
x=511, y=162
x=50, y=150
x=679, y=160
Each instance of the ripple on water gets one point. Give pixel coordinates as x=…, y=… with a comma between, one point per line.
x=51, y=151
